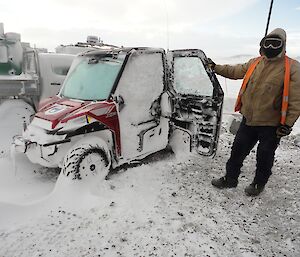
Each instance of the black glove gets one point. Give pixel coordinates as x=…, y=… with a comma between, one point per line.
x=211, y=64
x=283, y=130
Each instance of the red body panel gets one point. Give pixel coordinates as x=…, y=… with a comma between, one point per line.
x=61, y=110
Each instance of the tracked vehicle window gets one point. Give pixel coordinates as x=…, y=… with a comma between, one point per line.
x=91, y=78
x=60, y=70
x=30, y=63
x=190, y=77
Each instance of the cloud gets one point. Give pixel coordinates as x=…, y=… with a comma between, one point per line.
x=298, y=8
x=293, y=39
x=118, y=14
x=133, y=22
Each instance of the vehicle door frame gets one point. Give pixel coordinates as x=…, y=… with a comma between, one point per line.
x=217, y=97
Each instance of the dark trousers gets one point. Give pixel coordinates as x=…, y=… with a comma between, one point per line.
x=245, y=140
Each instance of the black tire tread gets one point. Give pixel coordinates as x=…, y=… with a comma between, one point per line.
x=74, y=158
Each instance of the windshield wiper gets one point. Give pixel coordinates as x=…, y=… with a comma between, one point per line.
x=93, y=61
x=96, y=60
x=110, y=60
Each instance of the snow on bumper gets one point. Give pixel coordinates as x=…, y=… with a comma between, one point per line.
x=41, y=145
x=48, y=155
x=20, y=144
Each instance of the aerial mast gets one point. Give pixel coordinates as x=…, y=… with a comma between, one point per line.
x=269, y=17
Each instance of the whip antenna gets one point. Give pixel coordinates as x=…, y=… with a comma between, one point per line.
x=269, y=17
x=167, y=24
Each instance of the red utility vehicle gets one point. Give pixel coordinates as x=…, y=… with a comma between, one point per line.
x=121, y=105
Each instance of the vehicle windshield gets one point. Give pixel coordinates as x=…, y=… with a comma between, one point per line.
x=91, y=77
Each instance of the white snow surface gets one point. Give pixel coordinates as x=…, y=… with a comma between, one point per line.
x=165, y=206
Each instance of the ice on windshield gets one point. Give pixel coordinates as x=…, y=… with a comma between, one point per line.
x=92, y=79
x=190, y=77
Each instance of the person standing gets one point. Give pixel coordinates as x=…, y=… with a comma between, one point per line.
x=269, y=101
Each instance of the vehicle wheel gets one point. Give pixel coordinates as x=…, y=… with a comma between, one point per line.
x=85, y=162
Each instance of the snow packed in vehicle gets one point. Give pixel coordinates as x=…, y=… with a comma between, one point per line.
x=121, y=105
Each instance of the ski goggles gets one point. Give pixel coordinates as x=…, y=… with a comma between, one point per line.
x=274, y=43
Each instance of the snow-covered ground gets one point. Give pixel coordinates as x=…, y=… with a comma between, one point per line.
x=165, y=206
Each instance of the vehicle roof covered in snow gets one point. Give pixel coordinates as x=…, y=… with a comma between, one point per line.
x=188, y=52
x=120, y=50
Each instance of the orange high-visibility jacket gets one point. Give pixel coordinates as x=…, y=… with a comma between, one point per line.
x=286, y=85
x=261, y=99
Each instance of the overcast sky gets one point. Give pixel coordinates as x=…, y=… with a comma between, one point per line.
x=220, y=28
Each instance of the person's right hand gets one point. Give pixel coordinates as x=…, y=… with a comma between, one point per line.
x=211, y=64
x=283, y=130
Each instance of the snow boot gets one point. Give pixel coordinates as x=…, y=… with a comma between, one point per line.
x=254, y=189
x=224, y=182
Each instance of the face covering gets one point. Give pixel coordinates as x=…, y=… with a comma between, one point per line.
x=271, y=53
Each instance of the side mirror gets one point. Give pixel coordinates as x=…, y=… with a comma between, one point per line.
x=120, y=101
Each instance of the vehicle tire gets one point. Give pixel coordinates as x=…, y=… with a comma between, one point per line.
x=84, y=162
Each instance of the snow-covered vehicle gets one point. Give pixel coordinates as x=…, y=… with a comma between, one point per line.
x=32, y=74
x=27, y=73
x=122, y=105
x=92, y=43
